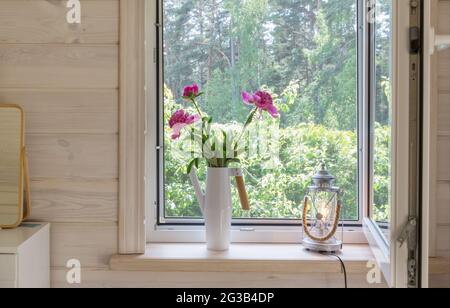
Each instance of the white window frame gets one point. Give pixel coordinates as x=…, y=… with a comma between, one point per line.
x=393, y=258
x=374, y=234
x=352, y=234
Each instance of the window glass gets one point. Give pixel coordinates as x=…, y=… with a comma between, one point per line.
x=305, y=53
x=381, y=115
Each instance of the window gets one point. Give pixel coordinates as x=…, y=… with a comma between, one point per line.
x=338, y=72
x=381, y=116
x=306, y=53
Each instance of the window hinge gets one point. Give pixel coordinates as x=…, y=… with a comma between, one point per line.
x=409, y=234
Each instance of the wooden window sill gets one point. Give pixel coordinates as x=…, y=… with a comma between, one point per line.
x=242, y=258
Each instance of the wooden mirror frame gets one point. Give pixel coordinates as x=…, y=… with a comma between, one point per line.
x=24, y=202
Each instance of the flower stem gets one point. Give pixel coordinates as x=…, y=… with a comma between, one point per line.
x=197, y=107
x=194, y=102
x=247, y=123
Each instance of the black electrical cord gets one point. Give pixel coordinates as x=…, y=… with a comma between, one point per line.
x=344, y=268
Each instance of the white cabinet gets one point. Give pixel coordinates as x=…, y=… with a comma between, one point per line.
x=25, y=256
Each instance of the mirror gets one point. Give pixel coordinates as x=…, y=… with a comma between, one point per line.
x=14, y=182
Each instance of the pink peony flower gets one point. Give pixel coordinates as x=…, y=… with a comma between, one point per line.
x=262, y=100
x=191, y=91
x=180, y=120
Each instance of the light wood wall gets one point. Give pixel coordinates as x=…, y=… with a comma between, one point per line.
x=440, y=222
x=443, y=180
x=66, y=77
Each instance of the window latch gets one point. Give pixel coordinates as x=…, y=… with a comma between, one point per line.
x=415, y=40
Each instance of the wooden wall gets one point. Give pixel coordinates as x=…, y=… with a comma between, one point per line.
x=66, y=77
x=440, y=222
x=443, y=180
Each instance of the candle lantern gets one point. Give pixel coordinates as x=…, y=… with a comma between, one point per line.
x=322, y=213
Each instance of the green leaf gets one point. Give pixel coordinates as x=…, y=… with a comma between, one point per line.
x=250, y=117
x=225, y=137
x=191, y=165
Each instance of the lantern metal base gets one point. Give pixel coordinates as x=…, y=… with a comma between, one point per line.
x=332, y=246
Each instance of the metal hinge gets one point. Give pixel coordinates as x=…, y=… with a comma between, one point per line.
x=409, y=234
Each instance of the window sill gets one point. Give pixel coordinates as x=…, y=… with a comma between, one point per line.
x=242, y=258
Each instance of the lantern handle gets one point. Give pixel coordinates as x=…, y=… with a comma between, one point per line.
x=335, y=226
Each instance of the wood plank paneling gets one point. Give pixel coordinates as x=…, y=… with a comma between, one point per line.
x=66, y=77
x=56, y=200
x=91, y=243
x=444, y=112
x=440, y=281
x=443, y=241
x=444, y=71
x=444, y=17
x=444, y=158
x=442, y=220
x=73, y=156
x=65, y=111
x=443, y=200
x=42, y=21
x=59, y=66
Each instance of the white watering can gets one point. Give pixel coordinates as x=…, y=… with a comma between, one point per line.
x=216, y=204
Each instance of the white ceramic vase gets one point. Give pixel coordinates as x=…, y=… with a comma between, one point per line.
x=216, y=205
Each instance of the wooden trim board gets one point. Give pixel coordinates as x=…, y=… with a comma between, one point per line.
x=132, y=127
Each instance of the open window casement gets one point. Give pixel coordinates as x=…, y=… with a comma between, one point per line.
x=400, y=242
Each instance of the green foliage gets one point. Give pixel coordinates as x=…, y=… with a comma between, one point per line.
x=279, y=192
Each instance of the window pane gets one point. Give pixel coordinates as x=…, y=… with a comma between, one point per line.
x=305, y=53
x=382, y=116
